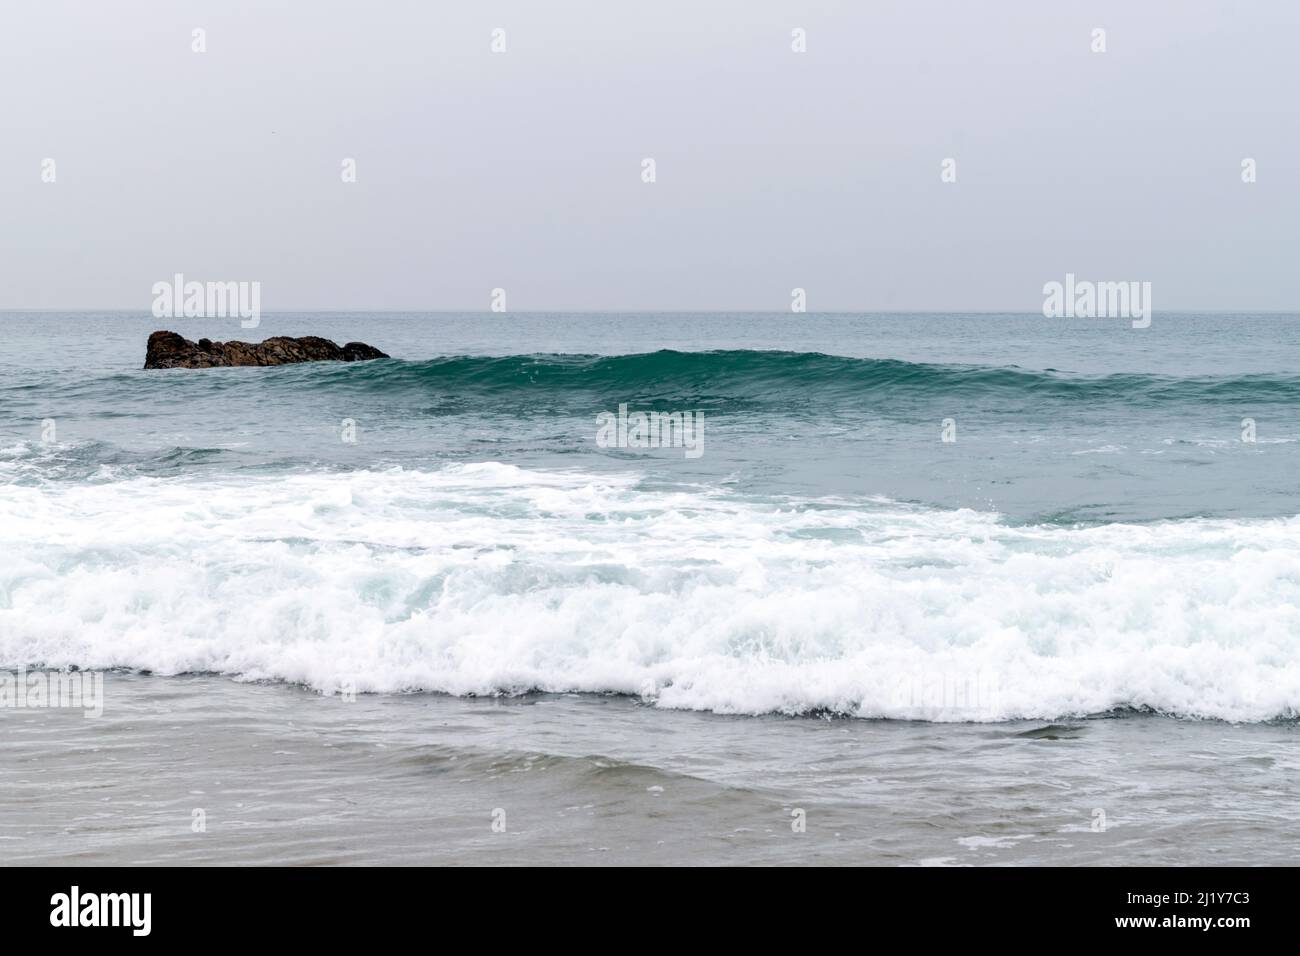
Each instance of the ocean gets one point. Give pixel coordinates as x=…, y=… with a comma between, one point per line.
x=894, y=588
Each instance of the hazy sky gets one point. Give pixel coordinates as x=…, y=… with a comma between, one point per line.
x=775, y=169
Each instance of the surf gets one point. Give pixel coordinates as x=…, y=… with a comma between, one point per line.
x=488, y=578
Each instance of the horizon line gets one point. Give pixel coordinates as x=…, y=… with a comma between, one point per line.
x=560, y=311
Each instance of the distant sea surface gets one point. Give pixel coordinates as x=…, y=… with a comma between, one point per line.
x=1108, y=543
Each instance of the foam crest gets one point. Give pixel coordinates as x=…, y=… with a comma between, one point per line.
x=488, y=578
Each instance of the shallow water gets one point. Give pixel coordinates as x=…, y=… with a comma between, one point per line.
x=284, y=775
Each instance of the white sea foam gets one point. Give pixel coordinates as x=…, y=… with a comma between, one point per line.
x=478, y=579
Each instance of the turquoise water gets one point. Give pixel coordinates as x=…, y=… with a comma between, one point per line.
x=1055, y=421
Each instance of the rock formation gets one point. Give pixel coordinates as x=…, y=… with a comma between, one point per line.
x=169, y=350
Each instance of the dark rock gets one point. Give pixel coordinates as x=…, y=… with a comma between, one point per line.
x=169, y=350
x=360, y=351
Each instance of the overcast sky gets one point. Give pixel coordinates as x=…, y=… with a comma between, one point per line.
x=775, y=169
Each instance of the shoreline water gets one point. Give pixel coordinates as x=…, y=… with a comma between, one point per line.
x=279, y=774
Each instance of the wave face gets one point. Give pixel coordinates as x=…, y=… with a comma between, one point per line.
x=768, y=377
x=492, y=578
x=773, y=377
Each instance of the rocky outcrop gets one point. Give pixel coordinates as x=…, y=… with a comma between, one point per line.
x=169, y=350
